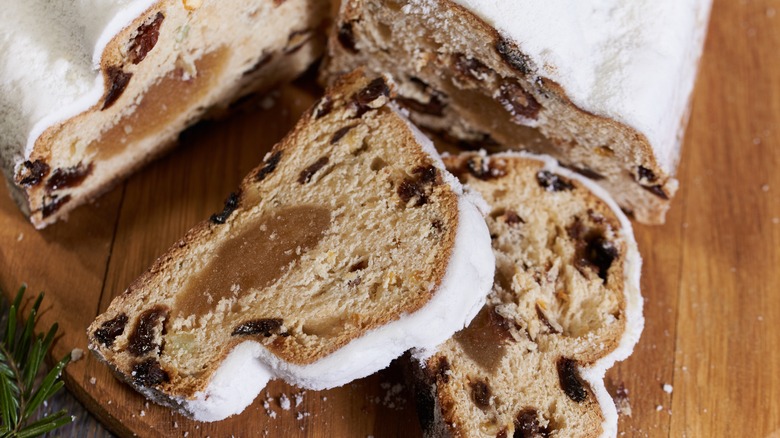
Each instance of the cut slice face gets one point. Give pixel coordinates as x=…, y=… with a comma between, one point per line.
x=564, y=307
x=347, y=246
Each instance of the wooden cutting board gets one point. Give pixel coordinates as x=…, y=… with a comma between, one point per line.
x=711, y=275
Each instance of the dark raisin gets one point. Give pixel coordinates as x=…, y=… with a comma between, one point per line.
x=480, y=394
x=437, y=225
x=375, y=89
x=552, y=182
x=265, y=327
x=261, y=62
x=308, y=172
x=145, y=39
x=428, y=174
x=324, y=107
x=117, y=82
x=484, y=169
x=359, y=266
x=340, y=134
x=470, y=67
x=149, y=373
x=592, y=249
x=54, y=204
x=434, y=107
x=645, y=175
x=346, y=37
x=570, y=380
x=512, y=218
x=411, y=188
x=34, y=172
x=512, y=55
x=231, y=204
x=362, y=100
x=269, y=166
x=141, y=340
x=297, y=39
x=657, y=190
x=520, y=103
x=107, y=333
x=527, y=425
x=442, y=370
x=65, y=177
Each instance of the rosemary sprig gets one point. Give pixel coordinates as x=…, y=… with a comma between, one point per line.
x=21, y=355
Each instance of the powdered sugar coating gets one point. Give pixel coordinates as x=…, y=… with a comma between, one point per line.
x=49, y=71
x=630, y=60
x=462, y=292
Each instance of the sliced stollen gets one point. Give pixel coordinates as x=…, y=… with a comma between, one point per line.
x=601, y=85
x=91, y=90
x=564, y=307
x=347, y=246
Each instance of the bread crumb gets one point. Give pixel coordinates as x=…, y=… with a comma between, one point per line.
x=668, y=388
x=76, y=354
x=765, y=188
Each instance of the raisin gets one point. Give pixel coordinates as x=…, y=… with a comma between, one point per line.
x=309, y=172
x=645, y=174
x=118, y=80
x=362, y=100
x=324, y=107
x=270, y=166
x=442, y=370
x=657, y=190
x=340, y=134
x=231, y=204
x=480, y=394
x=145, y=39
x=512, y=55
x=592, y=249
x=65, y=177
x=434, y=107
x=346, y=36
x=141, y=340
x=409, y=189
x=527, y=425
x=107, y=333
x=35, y=172
x=149, y=373
x=520, y=103
x=428, y=174
x=54, y=205
x=552, y=182
x=359, y=266
x=570, y=380
x=483, y=169
x=265, y=327
x=512, y=218
x=470, y=67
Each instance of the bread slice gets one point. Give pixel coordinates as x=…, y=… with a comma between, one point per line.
x=602, y=87
x=90, y=91
x=347, y=246
x=564, y=307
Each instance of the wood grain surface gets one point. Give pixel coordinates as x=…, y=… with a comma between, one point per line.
x=711, y=275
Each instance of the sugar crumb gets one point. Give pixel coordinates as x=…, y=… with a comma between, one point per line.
x=668, y=388
x=284, y=402
x=659, y=408
x=92, y=380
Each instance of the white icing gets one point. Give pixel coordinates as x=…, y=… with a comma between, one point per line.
x=632, y=270
x=49, y=57
x=462, y=292
x=630, y=60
